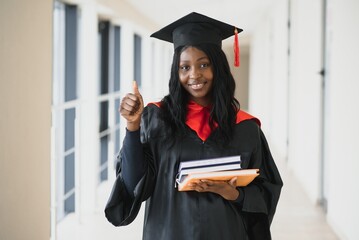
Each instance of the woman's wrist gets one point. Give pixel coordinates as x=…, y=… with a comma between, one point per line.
x=234, y=195
x=133, y=126
x=230, y=195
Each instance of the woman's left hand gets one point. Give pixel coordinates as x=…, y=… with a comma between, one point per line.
x=227, y=189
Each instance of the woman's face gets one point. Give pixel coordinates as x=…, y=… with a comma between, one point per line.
x=196, y=75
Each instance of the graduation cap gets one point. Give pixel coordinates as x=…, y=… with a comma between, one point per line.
x=196, y=28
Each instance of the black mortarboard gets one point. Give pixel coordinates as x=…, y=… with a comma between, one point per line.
x=195, y=28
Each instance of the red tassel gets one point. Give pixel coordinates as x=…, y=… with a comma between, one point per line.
x=236, y=48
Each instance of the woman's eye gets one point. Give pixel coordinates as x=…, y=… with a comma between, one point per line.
x=204, y=65
x=184, y=68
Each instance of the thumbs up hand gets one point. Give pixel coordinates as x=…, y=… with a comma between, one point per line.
x=131, y=108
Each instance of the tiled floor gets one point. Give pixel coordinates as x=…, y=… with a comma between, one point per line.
x=296, y=218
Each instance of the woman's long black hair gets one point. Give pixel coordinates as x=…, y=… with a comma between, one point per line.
x=224, y=104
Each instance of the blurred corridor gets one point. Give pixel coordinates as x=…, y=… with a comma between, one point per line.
x=66, y=64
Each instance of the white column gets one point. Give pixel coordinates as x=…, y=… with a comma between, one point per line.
x=305, y=91
x=89, y=114
x=148, y=83
x=278, y=88
x=127, y=58
x=157, y=70
x=342, y=116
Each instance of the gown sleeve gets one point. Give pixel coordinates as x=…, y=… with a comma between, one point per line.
x=125, y=202
x=132, y=160
x=262, y=195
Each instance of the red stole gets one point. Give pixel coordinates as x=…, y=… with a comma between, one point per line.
x=198, y=118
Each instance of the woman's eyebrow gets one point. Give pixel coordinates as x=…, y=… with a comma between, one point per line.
x=203, y=58
x=199, y=59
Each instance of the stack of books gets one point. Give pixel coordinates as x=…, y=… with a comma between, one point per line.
x=220, y=169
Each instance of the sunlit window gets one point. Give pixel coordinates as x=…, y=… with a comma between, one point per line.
x=137, y=59
x=109, y=95
x=65, y=106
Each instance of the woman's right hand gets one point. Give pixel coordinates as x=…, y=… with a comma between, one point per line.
x=131, y=108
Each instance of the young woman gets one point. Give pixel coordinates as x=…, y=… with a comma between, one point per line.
x=198, y=119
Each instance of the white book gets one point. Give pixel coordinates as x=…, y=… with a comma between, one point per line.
x=214, y=168
x=209, y=162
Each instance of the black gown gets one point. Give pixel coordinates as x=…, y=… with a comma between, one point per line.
x=170, y=214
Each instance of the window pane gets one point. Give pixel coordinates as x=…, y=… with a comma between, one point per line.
x=117, y=141
x=103, y=157
x=104, y=31
x=69, y=172
x=137, y=59
x=117, y=58
x=117, y=114
x=104, y=175
x=103, y=116
x=70, y=115
x=69, y=182
x=104, y=149
x=70, y=204
x=70, y=52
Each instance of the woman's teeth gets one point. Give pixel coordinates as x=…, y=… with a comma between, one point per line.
x=196, y=86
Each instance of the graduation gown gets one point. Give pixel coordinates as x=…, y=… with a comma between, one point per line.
x=170, y=214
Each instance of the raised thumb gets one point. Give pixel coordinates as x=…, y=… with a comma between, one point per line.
x=135, y=88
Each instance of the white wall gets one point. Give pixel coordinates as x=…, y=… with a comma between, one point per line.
x=286, y=96
x=241, y=73
x=342, y=117
x=268, y=76
x=272, y=97
x=305, y=94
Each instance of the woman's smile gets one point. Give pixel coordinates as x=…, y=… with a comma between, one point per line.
x=197, y=86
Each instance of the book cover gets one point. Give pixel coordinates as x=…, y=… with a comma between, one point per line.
x=244, y=177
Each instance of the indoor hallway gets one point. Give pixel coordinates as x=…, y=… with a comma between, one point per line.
x=296, y=218
x=66, y=64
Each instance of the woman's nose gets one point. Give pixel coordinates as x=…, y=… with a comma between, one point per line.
x=194, y=73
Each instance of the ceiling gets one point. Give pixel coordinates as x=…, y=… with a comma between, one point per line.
x=241, y=13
